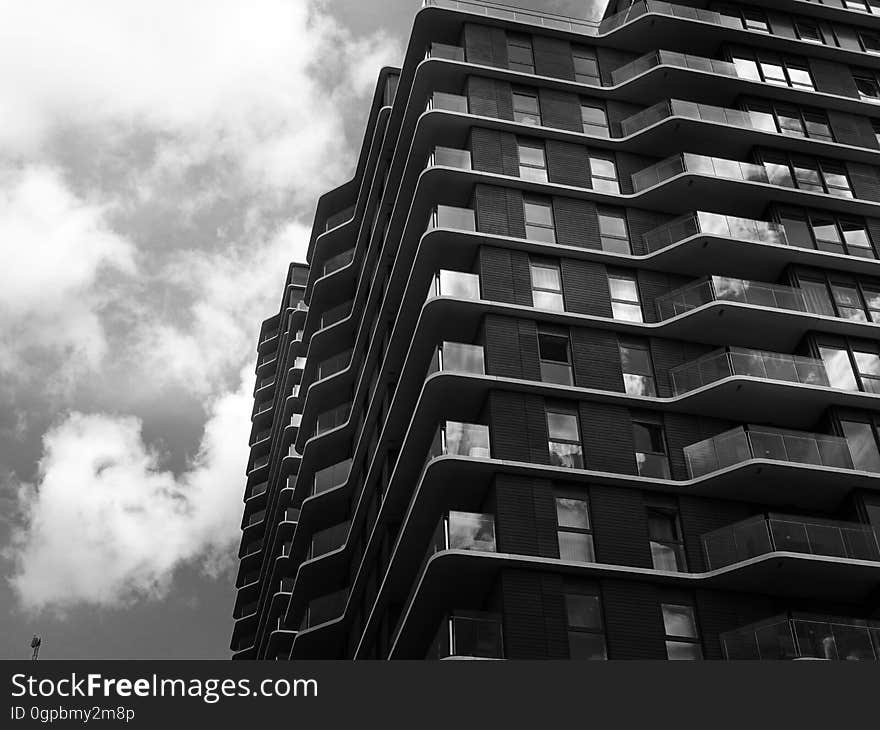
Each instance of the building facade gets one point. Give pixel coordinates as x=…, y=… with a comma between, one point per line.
x=590, y=361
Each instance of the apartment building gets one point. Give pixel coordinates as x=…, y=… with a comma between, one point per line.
x=585, y=362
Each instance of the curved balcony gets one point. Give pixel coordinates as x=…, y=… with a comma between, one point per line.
x=324, y=608
x=804, y=636
x=327, y=540
x=468, y=635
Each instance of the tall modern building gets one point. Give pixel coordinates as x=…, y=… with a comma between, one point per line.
x=585, y=362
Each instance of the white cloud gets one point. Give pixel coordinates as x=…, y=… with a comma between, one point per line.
x=55, y=248
x=105, y=524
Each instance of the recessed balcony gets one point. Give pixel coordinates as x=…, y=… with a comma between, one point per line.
x=459, y=284
x=324, y=608
x=440, y=100
x=450, y=157
x=458, y=357
x=743, y=444
x=328, y=540
x=468, y=635
x=454, y=438
x=801, y=636
x=761, y=535
x=254, y=518
x=450, y=216
x=331, y=477
x=445, y=51
x=257, y=490
x=335, y=314
x=334, y=263
x=463, y=531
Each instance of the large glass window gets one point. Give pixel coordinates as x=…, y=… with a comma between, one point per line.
x=664, y=534
x=638, y=370
x=755, y=20
x=546, y=285
x=807, y=30
x=564, y=435
x=613, y=231
x=682, y=634
x=625, y=304
x=817, y=176
x=594, y=120
x=603, y=172
x=526, y=109
x=862, y=441
x=867, y=85
x=790, y=120
x=586, y=636
x=538, y=213
x=839, y=367
x=574, y=529
x=649, y=442
x=868, y=368
x=519, y=53
x=586, y=65
x=532, y=160
x=555, y=356
x=772, y=69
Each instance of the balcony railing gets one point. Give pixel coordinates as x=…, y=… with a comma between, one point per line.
x=461, y=439
x=285, y=585
x=761, y=535
x=474, y=635
x=335, y=314
x=252, y=548
x=450, y=157
x=463, y=531
x=261, y=435
x=269, y=335
x=445, y=51
x=457, y=357
x=339, y=218
x=752, y=363
x=334, y=263
x=671, y=58
x=290, y=514
x=260, y=462
x=677, y=11
x=447, y=102
x=691, y=110
x=325, y=608
x=714, y=224
x=332, y=418
x=459, y=284
x=509, y=12
x=263, y=382
x=743, y=444
x=328, y=540
x=249, y=578
x=334, y=364
x=729, y=289
x=266, y=359
x=266, y=405
x=700, y=165
x=448, y=216
x=804, y=637
x=331, y=476
x=258, y=489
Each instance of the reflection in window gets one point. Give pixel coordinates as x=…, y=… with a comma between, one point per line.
x=532, y=160
x=613, y=231
x=586, y=637
x=574, y=530
x=664, y=534
x=682, y=635
x=564, y=435
x=525, y=107
x=638, y=370
x=625, y=304
x=539, y=220
x=555, y=356
x=649, y=441
x=586, y=66
x=862, y=441
x=546, y=286
x=594, y=120
x=837, y=363
x=519, y=53
x=603, y=173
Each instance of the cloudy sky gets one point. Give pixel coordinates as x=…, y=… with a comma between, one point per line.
x=159, y=167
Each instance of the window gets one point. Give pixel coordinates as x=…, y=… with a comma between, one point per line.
x=586, y=65
x=574, y=529
x=789, y=120
x=519, y=53
x=817, y=298
x=875, y=125
x=638, y=370
x=808, y=31
x=532, y=160
x=539, y=220
x=603, y=173
x=682, y=635
x=525, y=107
x=546, y=286
x=822, y=176
x=848, y=302
x=852, y=367
x=826, y=232
x=586, y=636
x=859, y=303
x=664, y=534
x=624, y=291
x=755, y=20
x=594, y=120
x=564, y=438
x=867, y=85
x=772, y=69
x=868, y=368
x=649, y=442
x=835, y=178
x=555, y=356
x=862, y=441
x=839, y=368
x=870, y=42
x=613, y=232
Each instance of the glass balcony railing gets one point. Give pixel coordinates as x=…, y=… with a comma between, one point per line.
x=328, y=540
x=334, y=263
x=714, y=224
x=334, y=364
x=699, y=165
x=801, y=636
x=761, y=535
x=260, y=462
x=474, y=635
x=331, y=476
x=447, y=102
x=255, y=518
x=743, y=444
x=729, y=289
x=264, y=382
x=677, y=11
x=509, y=12
x=339, y=218
x=262, y=435
x=335, y=314
x=332, y=418
x=691, y=110
x=671, y=58
x=258, y=489
x=448, y=216
x=457, y=357
x=269, y=335
x=450, y=157
x=445, y=51
x=262, y=407
x=290, y=514
x=463, y=531
x=285, y=585
x=752, y=363
x=325, y=608
x=459, y=284
x=461, y=439
x=266, y=359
